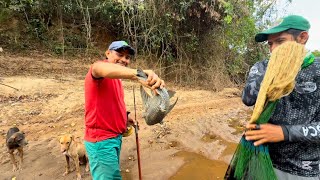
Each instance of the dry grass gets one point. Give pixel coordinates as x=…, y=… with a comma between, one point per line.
x=279, y=80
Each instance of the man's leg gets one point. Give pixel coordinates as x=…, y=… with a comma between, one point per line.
x=104, y=159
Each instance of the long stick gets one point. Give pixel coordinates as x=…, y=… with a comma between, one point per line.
x=9, y=86
x=136, y=132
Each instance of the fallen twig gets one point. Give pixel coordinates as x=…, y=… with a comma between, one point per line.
x=9, y=86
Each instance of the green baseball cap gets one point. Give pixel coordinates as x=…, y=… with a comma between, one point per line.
x=283, y=24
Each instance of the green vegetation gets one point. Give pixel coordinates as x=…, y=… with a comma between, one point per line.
x=316, y=53
x=191, y=42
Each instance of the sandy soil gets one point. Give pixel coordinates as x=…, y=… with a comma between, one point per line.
x=195, y=142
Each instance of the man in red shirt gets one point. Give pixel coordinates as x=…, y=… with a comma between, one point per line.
x=105, y=112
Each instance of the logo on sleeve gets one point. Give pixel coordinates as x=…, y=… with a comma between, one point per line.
x=254, y=70
x=306, y=165
x=306, y=87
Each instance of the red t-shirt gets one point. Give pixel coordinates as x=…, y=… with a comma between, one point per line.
x=105, y=111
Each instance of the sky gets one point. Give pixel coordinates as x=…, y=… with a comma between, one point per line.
x=308, y=9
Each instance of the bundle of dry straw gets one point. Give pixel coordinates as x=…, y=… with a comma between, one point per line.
x=279, y=80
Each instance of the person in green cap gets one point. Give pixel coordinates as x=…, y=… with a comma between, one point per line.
x=293, y=131
x=106, y=118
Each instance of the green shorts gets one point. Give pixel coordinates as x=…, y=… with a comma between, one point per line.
x=104, y=158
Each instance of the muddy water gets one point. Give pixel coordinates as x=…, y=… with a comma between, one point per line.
x=235, y=123
x=201, y=168
x=230, y=146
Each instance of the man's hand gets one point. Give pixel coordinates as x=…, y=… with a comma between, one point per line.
x=267, y=133
x=132, y=122
x=153, y=80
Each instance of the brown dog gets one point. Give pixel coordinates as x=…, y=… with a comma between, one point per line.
x=15, y=140
x=74, y=150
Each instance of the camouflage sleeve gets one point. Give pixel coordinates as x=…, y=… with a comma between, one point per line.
x=307, y=132
x=255, y=77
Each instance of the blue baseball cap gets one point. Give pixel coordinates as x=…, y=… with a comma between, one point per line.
x=121, y=45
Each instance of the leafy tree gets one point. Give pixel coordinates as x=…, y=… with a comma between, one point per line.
x=200, y=42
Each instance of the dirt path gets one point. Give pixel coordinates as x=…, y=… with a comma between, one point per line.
x=195, y=142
